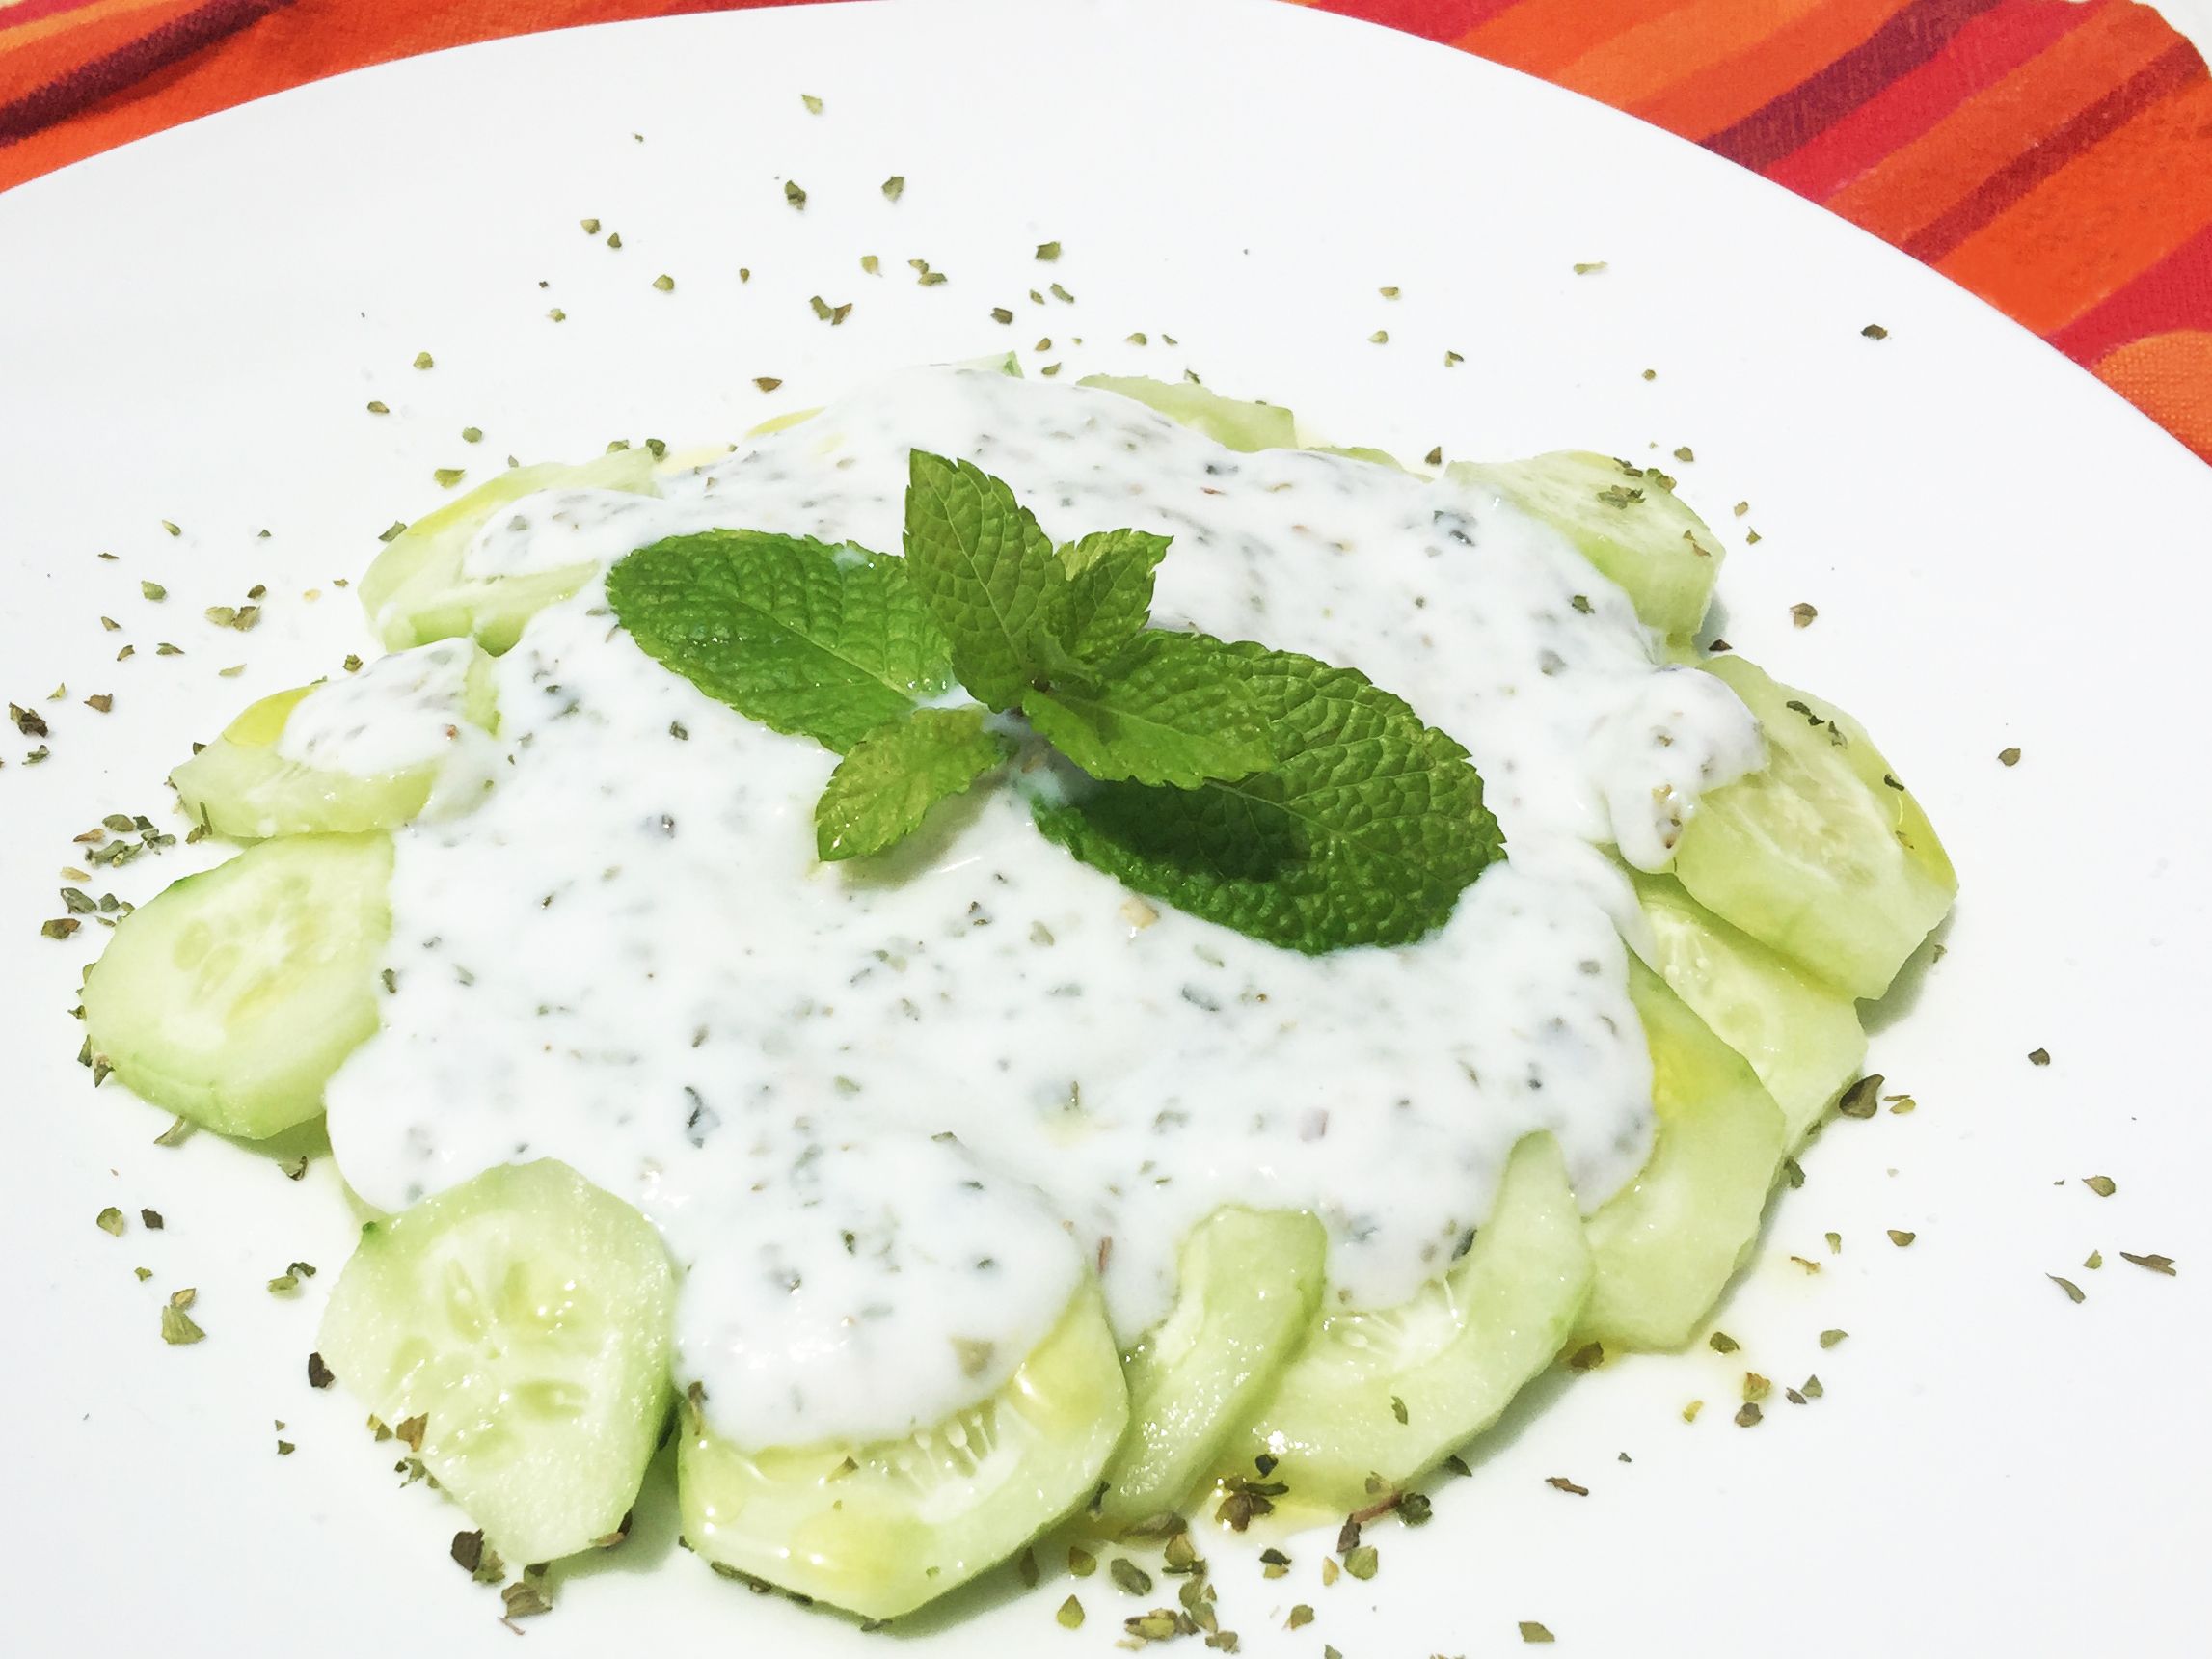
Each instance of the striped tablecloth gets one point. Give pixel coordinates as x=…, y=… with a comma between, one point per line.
x=2052, y=156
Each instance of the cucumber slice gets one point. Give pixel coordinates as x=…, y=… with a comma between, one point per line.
x=1392, y=1393
x=232, y=995
x=1822, y=855
x=1359, y=452
x=1668, y=1243
x=242, y=786
x=527, y=1317
x=415, y=591
x=882, y=1528
x=1802, y=1037
x=1249, y=1286
x=1246, y=426
x=1624, y=519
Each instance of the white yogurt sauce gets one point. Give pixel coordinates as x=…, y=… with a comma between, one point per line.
x=885, y=1119
x=404, y=711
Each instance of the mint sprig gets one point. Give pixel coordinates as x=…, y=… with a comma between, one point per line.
x=888, y=782
x=820, y=641
x=1365, y=831
x=1167, y=708
x=1107, y=594
x=1275, y=794
x=986, y=571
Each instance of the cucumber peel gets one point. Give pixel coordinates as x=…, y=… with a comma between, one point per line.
x=881, y=1528
x=1390, y=1394
x=1822, y=855
x=1249, y=1285
x=1227, y=420
x=1625, y=519
x=1802, y=1037
x=1668, y=1243
x=239, y=786
x=417, y=591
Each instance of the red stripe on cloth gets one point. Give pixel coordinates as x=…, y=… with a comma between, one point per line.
x=1980, y=54
x=2172, y=294
x=1721, y=90
x=1898, y=47
x=2176, y=68
x=127, y=65
x=2101, y=220
x=1431, y=19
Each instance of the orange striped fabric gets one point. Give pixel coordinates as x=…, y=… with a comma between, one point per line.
x=2054, y=157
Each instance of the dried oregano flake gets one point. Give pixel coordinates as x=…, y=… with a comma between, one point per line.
x=2155, y=1262
x=1133, y=1579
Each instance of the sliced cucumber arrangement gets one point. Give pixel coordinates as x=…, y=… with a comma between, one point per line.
x=1249, y=1285
x=1822, y=853
x=1228, y=421
x=244, y=786
x=881, y=1529
x=518, y=1327
x=1668, y=1243
x=232, y=995
x=518, y=1332
x=1624, y=519
x=1390, y=1393
x=1801, y=1036
x=418, y=591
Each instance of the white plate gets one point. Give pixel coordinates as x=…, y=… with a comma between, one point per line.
x=2001, y=551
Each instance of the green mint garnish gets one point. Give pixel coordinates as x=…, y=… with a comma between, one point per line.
x=1292, y=800
x=820, y=641
x=985, y=572
x=887, y=783
x=1167, y=708
x=1365, y=831
x=1107, y=596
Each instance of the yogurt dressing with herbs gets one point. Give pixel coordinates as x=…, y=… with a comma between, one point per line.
x=400, y=712
x=886, y=1116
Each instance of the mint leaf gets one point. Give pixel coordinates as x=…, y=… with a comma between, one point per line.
x=1365, y=832
x=1167, y=708
x=1107, y=596
x=828, y=642
x=983, y=568
x=888, y=782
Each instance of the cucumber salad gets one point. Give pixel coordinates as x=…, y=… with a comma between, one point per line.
x=1007, y=955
